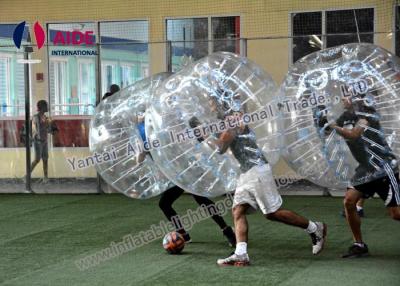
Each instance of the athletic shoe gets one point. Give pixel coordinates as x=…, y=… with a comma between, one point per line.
x=230, y=236
x=356, y=251
x=318, y=238
x=235, y=260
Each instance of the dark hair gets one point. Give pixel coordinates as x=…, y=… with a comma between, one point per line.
x=114, y=88
x=42, y=105
x=107, y=94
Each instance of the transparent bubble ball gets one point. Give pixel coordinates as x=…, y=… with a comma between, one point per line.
x=204, y=96
x=353, y=88
x=115, y=137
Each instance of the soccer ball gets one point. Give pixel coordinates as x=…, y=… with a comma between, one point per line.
x=173, y=242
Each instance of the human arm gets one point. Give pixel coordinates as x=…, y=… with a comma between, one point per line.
x=226, y=138
x=223, y=142
x=353, y=133
x=52, y=127
x=35, y=127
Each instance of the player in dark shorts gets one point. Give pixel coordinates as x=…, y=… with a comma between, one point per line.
x=377, y=171
x=171, y=195
x=319, y=115
x=41, y=126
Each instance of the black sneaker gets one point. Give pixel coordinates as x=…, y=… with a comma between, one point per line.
x=187, y=237
x=230, y=236
x=356, y=251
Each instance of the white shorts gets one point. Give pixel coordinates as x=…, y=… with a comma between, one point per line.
x=257, y=188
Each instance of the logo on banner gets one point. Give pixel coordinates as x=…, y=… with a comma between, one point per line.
x=62, y=38
x=38, y=30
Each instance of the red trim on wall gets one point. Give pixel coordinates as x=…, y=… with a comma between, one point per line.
x=237, y=33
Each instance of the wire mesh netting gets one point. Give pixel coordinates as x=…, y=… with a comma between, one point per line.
x=83, y=60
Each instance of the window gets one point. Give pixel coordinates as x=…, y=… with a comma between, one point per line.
x=342, y=26
x=188, y=37
x=225, y=31
x=12, y=88
x=72, y=78
x=313, y=31
x=198, y=37
x=127, y=75
x=58, y=86
x=109, y=76
x=72, y=82
x=144, y=71
x=19, y=88
x=307, y=30
x=124, y=49
x=86, y=87
x=5, y=94
x=12, y=85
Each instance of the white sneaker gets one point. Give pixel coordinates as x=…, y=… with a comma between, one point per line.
x=318, y=238
x=235, y=260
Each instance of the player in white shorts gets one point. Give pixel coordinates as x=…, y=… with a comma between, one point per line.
x=256, y=189
x=251, y=190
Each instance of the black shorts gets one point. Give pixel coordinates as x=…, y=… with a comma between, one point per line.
x=387, y=188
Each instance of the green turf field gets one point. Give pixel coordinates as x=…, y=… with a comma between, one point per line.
x=42, y=236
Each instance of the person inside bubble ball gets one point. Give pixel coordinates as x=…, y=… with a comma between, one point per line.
x=377, y=170
x=320, y=121
x=256, y=188
x=172, y=194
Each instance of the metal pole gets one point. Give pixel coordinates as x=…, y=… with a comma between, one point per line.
x=243, y=47
x=169, y=56
x=27, y=121
x=98, y=90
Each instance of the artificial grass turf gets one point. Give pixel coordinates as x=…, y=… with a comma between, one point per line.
x=43, y=235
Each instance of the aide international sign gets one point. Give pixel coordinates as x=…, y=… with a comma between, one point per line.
x=65, y=39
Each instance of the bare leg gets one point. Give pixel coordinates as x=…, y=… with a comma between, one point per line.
x=240, y=257
x=45, y=168
x=354, y=221
x=288, y=217
x=34, y=163
x=241, y=225
x=394, y=212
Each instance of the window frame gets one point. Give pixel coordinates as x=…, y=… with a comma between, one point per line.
x=99, y=22
x=323, y=26
x=49, y=57
x=209, y=26
x=12, y=88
